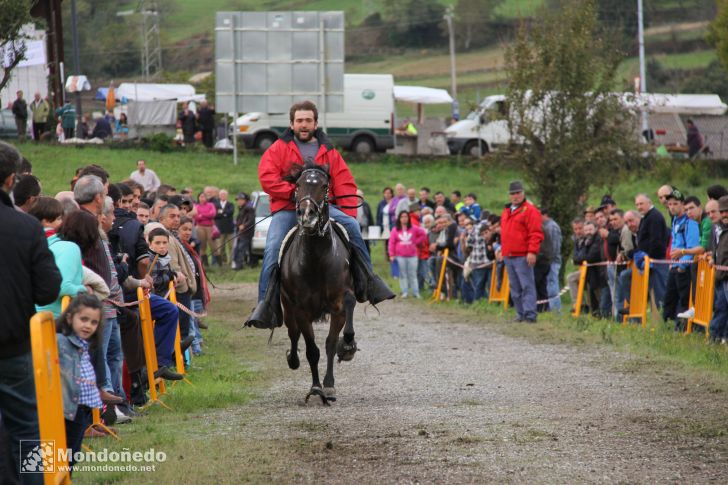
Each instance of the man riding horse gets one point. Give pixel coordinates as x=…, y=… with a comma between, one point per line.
x=304, y=141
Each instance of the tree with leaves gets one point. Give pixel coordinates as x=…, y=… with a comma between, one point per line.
x=718, y=32
x=415, y=23
x=573, y=132
x=14, y=14
x=473, y=21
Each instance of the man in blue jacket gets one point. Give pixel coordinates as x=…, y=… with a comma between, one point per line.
x=28, y=276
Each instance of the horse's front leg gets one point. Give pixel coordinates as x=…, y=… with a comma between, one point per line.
x=292, y=355
x=312, y=354
x=337, y=323
x=347, y=346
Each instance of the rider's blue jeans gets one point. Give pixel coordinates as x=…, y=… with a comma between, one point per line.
x=283, y=221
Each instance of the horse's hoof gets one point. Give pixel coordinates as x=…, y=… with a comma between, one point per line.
x=330, y=394
x=293, y=362
x=346, y=351
x=317, y=391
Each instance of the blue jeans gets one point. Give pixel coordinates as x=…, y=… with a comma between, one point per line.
x=479, y=281
x=423, y=274
x=553, y=287
x=282, y=222
x=719, y=322
x=408, y=275
x=522, y=287
x=658, y=282
x=19, y=413
x=467, y=293
x=111, y=349
x=166, y=316
x=197, y=307
x=622, y=291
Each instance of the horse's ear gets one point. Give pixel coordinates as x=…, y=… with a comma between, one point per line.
x=325, y=168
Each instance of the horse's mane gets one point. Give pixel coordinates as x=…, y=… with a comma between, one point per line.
x=296, y=170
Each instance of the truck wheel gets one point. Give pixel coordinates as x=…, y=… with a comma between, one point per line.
x=263, y=142
x=471, y=148
x=363, y=145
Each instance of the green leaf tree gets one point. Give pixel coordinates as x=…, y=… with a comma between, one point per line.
x=572, y=132
x=14, y=14
x=718, y=32
x=473, y=19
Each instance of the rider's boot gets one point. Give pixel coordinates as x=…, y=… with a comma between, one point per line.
x=268, y=313
x=367, y=285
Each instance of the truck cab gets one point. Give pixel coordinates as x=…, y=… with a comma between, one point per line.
x=482, y=131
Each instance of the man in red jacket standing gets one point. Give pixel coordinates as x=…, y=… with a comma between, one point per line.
x=521, y=237
x=305, y=142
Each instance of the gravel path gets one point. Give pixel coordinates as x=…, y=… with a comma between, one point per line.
x=431, y=399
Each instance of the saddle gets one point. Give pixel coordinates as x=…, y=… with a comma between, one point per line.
x=356, y=266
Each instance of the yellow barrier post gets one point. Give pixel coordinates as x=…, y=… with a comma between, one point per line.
x=49, y=394
x=498, y=295
x=638, y=294
x=704, y=295
x=179, y=357
x=580, y=293
x=438, y=291
x=150, y=351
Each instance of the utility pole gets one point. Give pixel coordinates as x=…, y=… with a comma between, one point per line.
x=643, y=71
x=453, y=73
x=76, y=58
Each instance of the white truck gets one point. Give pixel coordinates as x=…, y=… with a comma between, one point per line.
x=487, y=124
x=365, y=125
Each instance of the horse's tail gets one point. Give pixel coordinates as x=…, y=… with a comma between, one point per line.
x=270, y=337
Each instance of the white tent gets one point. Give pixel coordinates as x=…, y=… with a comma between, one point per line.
x=157, y=92
x=154, y=104
x=421, y=95
x=681, y=104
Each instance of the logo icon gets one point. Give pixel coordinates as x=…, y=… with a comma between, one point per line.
x=368, y=94
x=37, y=456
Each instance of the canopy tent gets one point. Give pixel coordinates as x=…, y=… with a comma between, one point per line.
x=77, y=83
x=421, y=96
x=682, y=104
x=157, y=92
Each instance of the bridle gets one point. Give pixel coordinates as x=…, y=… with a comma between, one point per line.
x=321, y=207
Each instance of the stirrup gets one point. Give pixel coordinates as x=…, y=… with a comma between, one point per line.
x=268, y=313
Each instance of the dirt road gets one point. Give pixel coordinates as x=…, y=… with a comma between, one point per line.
x=430, y=398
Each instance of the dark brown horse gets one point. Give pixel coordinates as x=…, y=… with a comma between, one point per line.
x=316, y=281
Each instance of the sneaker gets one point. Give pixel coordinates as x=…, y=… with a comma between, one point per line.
x=121, y=418
x=724, y=341
x=689, y=313
x=404, y=295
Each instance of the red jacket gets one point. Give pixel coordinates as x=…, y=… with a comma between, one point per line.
x=521, y=231
x=277, y=161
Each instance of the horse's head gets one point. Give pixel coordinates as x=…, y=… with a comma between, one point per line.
x=312, y=194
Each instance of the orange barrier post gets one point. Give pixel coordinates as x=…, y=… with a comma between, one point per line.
x=638, y=294
x=49, y=394
x=501, y=294
x=580, y=294
x=704, y=295
x=179, y=357
x=95, y=413
x=438, y=291
x=156, y=386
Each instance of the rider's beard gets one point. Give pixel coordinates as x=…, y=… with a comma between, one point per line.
x=303, y=137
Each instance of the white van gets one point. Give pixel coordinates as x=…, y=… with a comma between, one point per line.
x=365, y=125
x=488, y=123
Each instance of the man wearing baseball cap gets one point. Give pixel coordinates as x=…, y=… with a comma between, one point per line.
x=521, y=236
x=685, y=244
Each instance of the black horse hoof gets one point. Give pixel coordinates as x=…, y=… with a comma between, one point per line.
x=317, y=391
x=330, y=394
x=293, y=362
x=345, y=351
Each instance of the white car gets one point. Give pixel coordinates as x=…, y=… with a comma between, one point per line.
x=261, y=203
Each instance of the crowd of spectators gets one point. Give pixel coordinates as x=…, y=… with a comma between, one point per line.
x=526, y=242
x=98, y=243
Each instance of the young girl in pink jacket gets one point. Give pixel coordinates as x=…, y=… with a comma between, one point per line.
x=403, y=243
